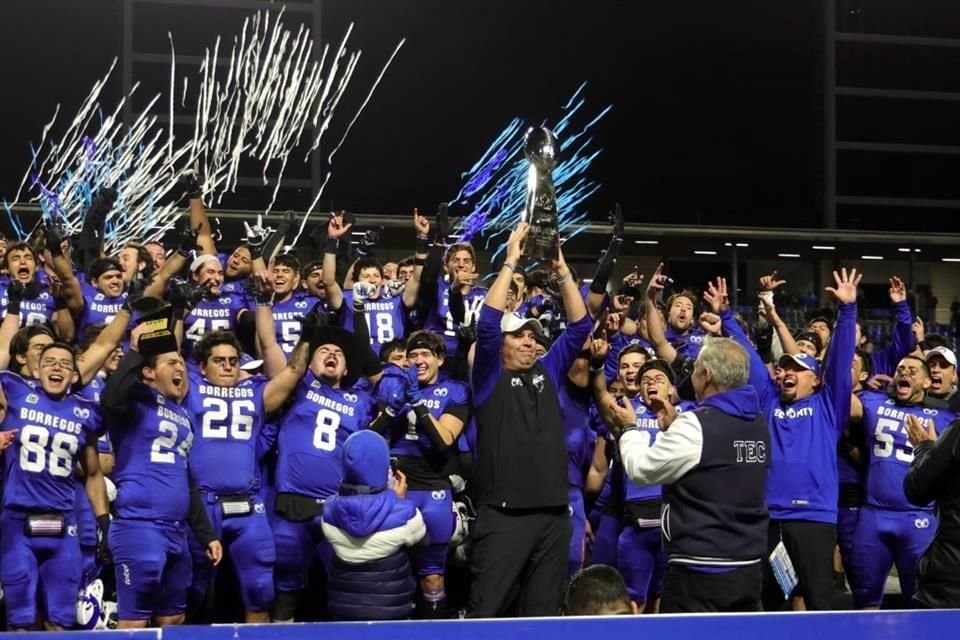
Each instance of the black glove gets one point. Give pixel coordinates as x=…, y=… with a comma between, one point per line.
x=616, y=219
x=442, y=225
x=53, y=234
x=187, y=237
x=186, y=295
x=311, y=323
x=369, y=242
x=549, y=305
x=467, y=333
x=103, y=537
x=256, y=238
x=192, y=183
x=101, y=205
x=16, y=292
x=291, y=226
x=260, y=297
x=134, y=294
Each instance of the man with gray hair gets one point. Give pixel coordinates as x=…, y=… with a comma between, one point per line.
x=712, y=463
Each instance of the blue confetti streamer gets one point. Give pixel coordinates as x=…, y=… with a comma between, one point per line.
x=494, y=188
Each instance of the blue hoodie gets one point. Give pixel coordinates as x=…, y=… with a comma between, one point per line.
x=741, y=402
x=370, y=528
x=802, y=483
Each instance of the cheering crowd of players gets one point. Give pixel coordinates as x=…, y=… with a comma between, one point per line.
x=316, y=426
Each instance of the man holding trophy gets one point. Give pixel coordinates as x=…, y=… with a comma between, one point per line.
x=523, y=525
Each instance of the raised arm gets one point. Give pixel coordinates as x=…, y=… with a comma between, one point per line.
x=486, y=360
x=837, y=381
x=656, y=330
x=759, y=377
x=90, y=361
x=336, y=229
x=564, y=350
x=412, y=288
x=598, y=286
x=885, y=360
x=283, y=383
x=69, y=285
x=191, y=181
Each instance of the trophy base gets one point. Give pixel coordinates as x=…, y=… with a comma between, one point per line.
x=542, y=243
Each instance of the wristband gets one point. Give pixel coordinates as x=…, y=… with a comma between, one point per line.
x=59, y=303
x=566, y=278
x=420, y=409
x=331, y=245
x=596, y=366
x=419, y=262
x=510, y=265
x=264, y=299
x=423, y=244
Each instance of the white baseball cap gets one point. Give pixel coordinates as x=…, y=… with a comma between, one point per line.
x=944, y=353
x=513, y=322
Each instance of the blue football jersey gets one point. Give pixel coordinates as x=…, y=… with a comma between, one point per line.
x=98, y=308
x=228, y=421
x=647, y=421
x=36, y=311
x=151, y=446
x=386, y=318
x=446, y=396
x=51, y=434
x=889, y=449
x=210, y=315
x=286, y=325
x=440, y=320
x=312, y=435
x=91, y=392
x=575, y=409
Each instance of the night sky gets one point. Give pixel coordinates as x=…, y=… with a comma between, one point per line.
x=717, y=113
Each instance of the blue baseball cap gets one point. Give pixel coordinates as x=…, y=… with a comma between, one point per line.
x=804, y=360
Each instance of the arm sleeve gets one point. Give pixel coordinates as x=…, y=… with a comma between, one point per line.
x=564, y=351
x=837, y=382
x=369, y=361
x=933, y=464
x=486, y=359
x=675, y=452
x=885, y=360
x=759, y=378
x=115, y=398
x=197, y=518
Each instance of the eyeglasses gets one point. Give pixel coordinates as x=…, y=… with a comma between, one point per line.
x=49, y=363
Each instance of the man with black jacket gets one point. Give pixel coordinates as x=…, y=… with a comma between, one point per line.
x=933, y=476
x=523, y=524
x=713, y=463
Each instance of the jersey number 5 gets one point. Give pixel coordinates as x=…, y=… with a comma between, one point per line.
x=886, y=441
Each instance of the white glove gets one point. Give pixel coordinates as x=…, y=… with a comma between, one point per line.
x=363, y=290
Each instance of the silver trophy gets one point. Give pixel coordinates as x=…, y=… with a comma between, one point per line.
x=542, y=150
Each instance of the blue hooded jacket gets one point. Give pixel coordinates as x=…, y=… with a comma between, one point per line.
x=370, y=528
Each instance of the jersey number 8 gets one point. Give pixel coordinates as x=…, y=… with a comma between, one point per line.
x=325, y=434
